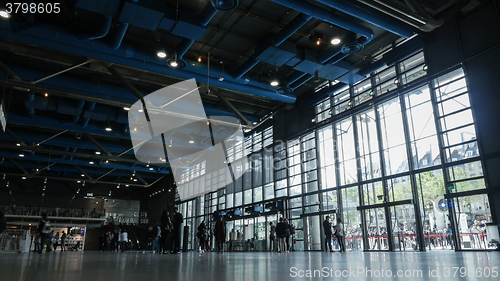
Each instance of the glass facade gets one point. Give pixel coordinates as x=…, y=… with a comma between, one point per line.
x=394, y=171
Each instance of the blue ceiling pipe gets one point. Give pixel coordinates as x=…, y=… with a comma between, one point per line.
x=88, y=108
x=301, y=81
x=99, y=33
x=30, y=111
x=79, y=162
x=204, y=18
x=73, y=173
x=275, y=41
x=370, y=15
x=53, y=37
x=118, y=35
x=63, y=82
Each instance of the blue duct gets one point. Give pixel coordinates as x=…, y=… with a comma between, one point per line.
x=118, y=35
x=30, y=111
x=204, y=18
x=301, y=81
x=292, y=78
x=276, y=40
x=100, y=33
x=77, y=109
x=89, y=108
x=370, y=15
x=55, y=38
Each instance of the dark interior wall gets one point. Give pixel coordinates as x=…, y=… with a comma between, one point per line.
x=290, y=123
x=474, y=40
x=155, y=204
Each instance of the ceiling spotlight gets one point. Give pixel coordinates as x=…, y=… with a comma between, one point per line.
x=78, y=181
x=147, y=166
x=161, y=159
x=107, y=161
x=318, y=42
x=221, y=79
x=118, y=186
x=78, y=191
x=126, y=108
x=46, y=95
x=208, y=122
x=164, y=160
x=274, y=83
x=169, y=145
x=83, y=184
x=82, y=175
x=91, y=162
x=18, y=144
x=21, y=155
x=131, y=178
x=191, y=141
x=126, y=185
x=108, y=128
x=314, y=120
x=97, y=152
x=45, y=181
x=199, y=59
x=174, y=64
x=4, y=14
x=151, y=169
x=23, y=178
x=135, y=179
x=140, y=110
x=161, y=54
x=335, y=41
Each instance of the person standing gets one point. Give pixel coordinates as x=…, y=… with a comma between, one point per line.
x=220, y=234
x=63, y=241
x=287, y=235
x=101, y=241
x=281, y=234
x=123, y=239
x=327, y=227
x=177, y=226
x=339, y=233
x=57, y=237
x=166, y=229
x=202, y=230
x=44, y=230
x=272, y=237
x=50, y=241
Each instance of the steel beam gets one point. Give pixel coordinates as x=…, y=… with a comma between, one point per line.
x=60, y=72
x=94, y=141
x=231, y=107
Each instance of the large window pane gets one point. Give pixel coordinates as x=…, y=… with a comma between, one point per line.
x=368, y=145
x=393, y=138
x=346, y=151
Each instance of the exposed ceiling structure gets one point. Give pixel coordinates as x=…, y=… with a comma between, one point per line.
x=68, y=77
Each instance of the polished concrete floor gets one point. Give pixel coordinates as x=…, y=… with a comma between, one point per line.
x=107, y=266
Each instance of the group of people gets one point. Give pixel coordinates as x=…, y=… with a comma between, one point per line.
x=166, y=234
x=114, y=240
x=282, y=231
x=45, y=237
x=338, y=231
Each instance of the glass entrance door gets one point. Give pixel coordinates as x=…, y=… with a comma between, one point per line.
x=375, y=221
x=404, y=228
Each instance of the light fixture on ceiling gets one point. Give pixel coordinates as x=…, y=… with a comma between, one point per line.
x=151, y=169
x=335, y=41
x=169, y=145
x=274, y=83
x=23, y=178
x=135, y=179
x=107, y=161
x=221, y=78
x=91, y=162
x=108, y=127
x=78, y=181
x=126, y=108
x=126, y=185
x=199, y=58
x=82, y=175
x=4, y=14
x=140, y=110
x=46, y=95
x=191, y=141
x=97, y=152
x=164, y=160
x=118, y=186
x=18, y=144
x=147, y=166
x=318, y=42
x=21, y=155
x=161, y=53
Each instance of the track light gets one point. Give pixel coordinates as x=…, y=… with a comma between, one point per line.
x=174, y=63
x=161, y=53
x=108, y=128
x=21, y=155
x=274, y=83
x=91, y=162
x=335, y=41
x=4, y=14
